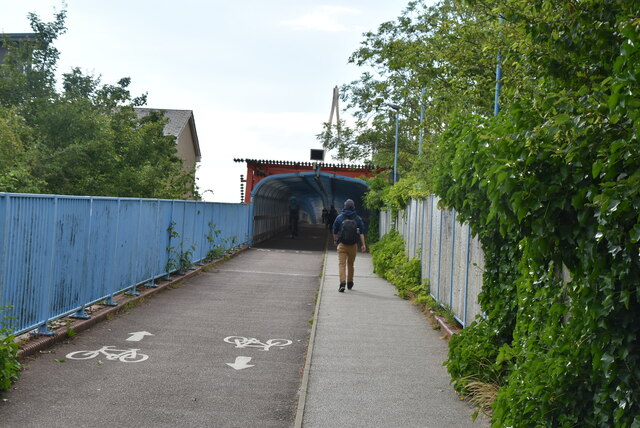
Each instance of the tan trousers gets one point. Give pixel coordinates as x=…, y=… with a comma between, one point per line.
x=346, y=258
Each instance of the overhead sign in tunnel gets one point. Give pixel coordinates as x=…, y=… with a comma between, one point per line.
x=271, y=185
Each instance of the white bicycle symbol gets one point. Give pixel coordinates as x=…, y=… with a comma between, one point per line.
x=249, y=342
x=111, y=353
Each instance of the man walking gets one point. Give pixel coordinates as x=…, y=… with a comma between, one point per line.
x=348, y=232
x=294, y=214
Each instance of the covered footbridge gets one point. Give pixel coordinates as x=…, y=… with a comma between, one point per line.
x=271, y=184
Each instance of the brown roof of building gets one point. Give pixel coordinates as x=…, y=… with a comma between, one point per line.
x=178, y=120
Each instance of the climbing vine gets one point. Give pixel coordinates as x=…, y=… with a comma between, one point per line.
x=551, y=186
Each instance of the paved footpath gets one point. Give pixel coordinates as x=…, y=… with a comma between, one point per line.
x=187, y=360
x=376, y=361
x=186, y=380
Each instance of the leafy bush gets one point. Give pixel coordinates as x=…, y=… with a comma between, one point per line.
x=405, y=276
x=9, y=365
x=391, y=263
x=551, y=186
x=387, y=252
x=373, y=228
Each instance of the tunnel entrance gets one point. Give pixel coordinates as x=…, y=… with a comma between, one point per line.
x=314, y=191
x=311, y=237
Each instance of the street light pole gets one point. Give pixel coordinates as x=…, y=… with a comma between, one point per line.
x=395, y=150
x=421, y=122
x=395, y=154
x=496, y=102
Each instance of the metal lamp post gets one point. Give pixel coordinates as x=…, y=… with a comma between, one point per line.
x=421, y=122
x=395, y=150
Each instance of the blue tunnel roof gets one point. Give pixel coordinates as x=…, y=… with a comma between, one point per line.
x=313, y=191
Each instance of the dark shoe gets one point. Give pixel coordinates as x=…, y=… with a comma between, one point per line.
x=349, y=285
x=341, y=289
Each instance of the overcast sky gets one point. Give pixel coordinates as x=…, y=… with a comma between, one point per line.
x=258, y=74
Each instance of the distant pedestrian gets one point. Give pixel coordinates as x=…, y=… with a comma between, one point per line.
x=294, y=213
x=325, y=217
x=332, y=215
x=348, y=231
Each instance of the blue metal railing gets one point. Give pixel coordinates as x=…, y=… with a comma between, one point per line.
x=60, y=254
x=451, y=258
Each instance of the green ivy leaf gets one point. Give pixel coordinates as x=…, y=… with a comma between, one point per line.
x=613, y=100
x=596, y=168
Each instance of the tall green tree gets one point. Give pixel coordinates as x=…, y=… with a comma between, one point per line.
x=15, y=165
x=84, y=139
x=447, y=50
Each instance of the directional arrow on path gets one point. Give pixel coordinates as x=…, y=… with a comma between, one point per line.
x=138, y=336
x=241, y=363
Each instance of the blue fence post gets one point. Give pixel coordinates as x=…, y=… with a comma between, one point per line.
x=439, y=255
x=168, y=266
x=4, y=250
x=422, y=249
x=453, y=255
x=82, y=314
x=202, y=236
x=194, y=241
x=466, y=279
x=132, y=272
x=184, y=217
x=109, y=301
x=430, y=237
x=156, y=242
x=415, y=228
x=45, y=297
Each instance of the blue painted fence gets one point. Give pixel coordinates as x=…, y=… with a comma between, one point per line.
x=59, y=254
x=451, y=258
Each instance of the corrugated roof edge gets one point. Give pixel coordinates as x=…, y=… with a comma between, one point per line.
x=306, y=163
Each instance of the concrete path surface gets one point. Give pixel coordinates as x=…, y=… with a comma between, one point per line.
x=376, y=361
x=227, y=348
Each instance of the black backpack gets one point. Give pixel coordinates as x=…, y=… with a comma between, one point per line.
x=349, y=233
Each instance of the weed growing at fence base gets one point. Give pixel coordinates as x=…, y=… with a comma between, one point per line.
x=9, y=365
x=179, y=261
x=391, y=263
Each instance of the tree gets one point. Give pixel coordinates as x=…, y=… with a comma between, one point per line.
x=84, y=139
x=448, y=50
x=15, y=172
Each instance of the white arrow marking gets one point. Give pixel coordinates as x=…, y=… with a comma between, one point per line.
x=241, y=363
x=138, y=336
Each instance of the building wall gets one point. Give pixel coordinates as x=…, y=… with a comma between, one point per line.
x=185, y=149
